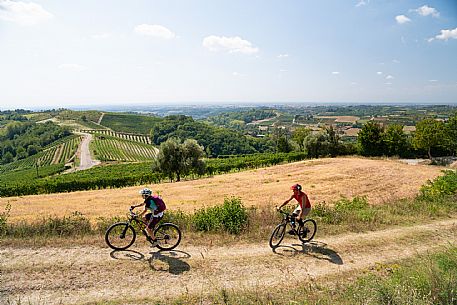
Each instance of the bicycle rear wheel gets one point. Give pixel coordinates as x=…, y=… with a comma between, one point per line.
x=120, y=236
x=277, y=235
x=168, y=236
x=307, y=231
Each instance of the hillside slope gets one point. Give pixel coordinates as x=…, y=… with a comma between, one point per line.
x=323, y=179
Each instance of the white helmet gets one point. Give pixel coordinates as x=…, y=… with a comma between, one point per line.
x=146, y=192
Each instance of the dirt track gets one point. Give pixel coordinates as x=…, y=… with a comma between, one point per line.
x=83, y=274
x=86, y=160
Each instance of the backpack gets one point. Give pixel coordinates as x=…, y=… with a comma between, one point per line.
x=159, y=203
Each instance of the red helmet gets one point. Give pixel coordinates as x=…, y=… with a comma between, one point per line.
x=296, y=187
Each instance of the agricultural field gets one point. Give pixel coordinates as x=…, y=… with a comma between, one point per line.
x=129, y=123
x=325, y=180
x=47, y=162
x=140, y=138
x=108, y=148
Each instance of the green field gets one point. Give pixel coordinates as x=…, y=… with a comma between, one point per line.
x=107, y=148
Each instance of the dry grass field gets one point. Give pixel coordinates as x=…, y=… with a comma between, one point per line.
x=323, y=179
x=341, y=118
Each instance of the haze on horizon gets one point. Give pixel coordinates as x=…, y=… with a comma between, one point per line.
x=93, y=53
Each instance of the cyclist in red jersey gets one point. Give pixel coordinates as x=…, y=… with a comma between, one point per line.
x=304, y=205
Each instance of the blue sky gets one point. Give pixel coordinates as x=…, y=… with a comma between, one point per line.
x=85, y=52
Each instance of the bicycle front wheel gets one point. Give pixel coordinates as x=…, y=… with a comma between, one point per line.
x=120, y=236
x=307, y=231
x=168, y=236
x=277, y=235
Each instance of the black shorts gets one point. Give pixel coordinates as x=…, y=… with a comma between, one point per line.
x=152, y=221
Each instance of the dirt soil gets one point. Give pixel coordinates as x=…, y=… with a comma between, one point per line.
x=83, y=274
x=323, y=179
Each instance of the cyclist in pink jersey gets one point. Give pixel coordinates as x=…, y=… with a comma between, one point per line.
x=304, y=205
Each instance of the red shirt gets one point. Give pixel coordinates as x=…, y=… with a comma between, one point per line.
x=299, y=198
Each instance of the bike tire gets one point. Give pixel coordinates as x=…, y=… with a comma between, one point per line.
x=307, y=232
x=277, y=235
x=168, y=236
x=120, y=236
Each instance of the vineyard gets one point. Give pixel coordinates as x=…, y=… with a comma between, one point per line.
x=58, y=152
x=121, y=175
x=132, y=148
x=48, y=162
x=140, y=138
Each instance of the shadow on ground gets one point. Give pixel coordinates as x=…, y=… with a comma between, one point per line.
x=171, y=261
x=165, y=261
x=315, y=249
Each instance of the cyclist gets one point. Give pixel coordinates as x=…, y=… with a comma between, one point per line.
x=304, y=205
x=153, y=208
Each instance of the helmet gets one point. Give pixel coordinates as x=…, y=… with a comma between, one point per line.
x=296, y=187
x=146, y=192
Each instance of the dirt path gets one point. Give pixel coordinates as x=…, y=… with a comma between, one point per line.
x=85, y=157
x=82, y=274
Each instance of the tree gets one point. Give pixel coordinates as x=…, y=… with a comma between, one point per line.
x=299, y=135
x=451, y=134
x=429, y=134
x=395, y=141
x=370, y=139
x=176, y=159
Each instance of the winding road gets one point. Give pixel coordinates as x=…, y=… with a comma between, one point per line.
x=85, y=157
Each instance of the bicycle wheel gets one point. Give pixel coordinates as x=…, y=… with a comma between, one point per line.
x=168, y=236
x=120, y=236
x=277, y=235
x=307, y=231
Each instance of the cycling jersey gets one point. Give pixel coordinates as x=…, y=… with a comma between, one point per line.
x=299, y=198
x=152, y=206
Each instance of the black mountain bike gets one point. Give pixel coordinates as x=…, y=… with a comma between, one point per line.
x=305, y=230
x=122, y=235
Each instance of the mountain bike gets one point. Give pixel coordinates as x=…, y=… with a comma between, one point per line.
x=305, y=230
x=122, y=235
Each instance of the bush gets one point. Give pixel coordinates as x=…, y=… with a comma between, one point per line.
x=443, y=185
x=232, y=217
x=74, y=225
x=3, y=219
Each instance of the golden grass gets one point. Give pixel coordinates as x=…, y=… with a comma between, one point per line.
x=323, y=179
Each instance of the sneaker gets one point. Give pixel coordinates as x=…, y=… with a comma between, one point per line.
x=153, y=242
x=305, y=232
x=292, y=232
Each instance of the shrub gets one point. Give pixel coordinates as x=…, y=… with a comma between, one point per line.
x=3, y=219
x=443, y=185
x=73, y=225
x=232, y=217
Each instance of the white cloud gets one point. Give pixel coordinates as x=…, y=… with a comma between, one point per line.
x=389, y=77
x=388, y=84
x=283, y=55
x=23, y=13
x=228, y=44
x=395, y=61
x=335, y=72
x=379, y=73
x=445, y=35
x=427, y=10
x=154, y=30
x=433, y=80
x=402, y=19
x=73, y=67
x=362, y=3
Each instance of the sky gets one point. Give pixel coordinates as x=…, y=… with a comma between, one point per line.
x=88, y=53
